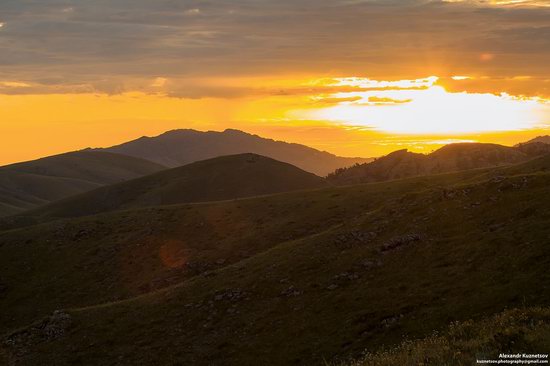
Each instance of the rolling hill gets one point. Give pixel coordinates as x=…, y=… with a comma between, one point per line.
x=222, y=178
x=30, y=184
x=449, y=158
x=180, y=147
x=543, y=139
x=295, y=278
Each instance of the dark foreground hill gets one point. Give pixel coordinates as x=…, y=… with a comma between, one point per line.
x=222, y=178
x=181, y=147
x=450, y=158
x=30, y=184
x=518, y=331
x=277, y=280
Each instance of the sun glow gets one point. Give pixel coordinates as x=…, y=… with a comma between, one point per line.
x=423, y=107
x=349, y=116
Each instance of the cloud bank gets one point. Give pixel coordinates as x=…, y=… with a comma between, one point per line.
x=116, y=46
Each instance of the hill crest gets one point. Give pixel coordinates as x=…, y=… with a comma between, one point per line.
x=217, y=179
x=27, y=185
x=449, y=158
x=184, y=146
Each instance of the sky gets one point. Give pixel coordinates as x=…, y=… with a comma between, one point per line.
x=353, y=77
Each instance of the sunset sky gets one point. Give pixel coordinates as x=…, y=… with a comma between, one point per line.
x=353, y=77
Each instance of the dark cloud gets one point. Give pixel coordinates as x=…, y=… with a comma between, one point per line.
x=118, y=45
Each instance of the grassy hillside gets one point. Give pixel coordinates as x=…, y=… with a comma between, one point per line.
x=280, y=280
x=525, y=330
x=450, y=158
x=30, y=184
x=223, y=178
x=181, y=147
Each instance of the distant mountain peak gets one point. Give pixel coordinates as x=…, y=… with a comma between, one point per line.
x=176, y=132
x=184, y=146
x=238, y=132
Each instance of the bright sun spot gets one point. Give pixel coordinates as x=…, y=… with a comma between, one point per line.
x=422, y=107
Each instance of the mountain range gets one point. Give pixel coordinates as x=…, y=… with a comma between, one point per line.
x=295, y=278
x=450, y=158
x=181, y=147
x=222, y=178
x=28, y=185
x=244, y=260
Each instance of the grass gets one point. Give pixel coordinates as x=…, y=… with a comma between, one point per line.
x=27, y=185
x=222, y=178
x=281, y=280
x=524, y=330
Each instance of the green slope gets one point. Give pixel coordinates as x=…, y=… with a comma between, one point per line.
x=223, y=178
x=279, y=280
x=30, y=184
x=518, y=331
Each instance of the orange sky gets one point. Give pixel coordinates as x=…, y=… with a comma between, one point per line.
x=317, y=116
x=353, y=77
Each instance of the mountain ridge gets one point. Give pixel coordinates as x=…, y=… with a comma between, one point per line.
x=449, y=158
x=183, y=146
x=221, y=178
x=27, y=185
x=545, y=139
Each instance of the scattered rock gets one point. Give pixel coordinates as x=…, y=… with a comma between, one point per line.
x=388, y=322
x=82, y=234
x=449, y=193
x=198, y=267
x=354, y=237
x=400, y=241
x=332, y=287
x=230, y=295
x=291, y=292
x=369, y=264
x=346, y=276
x=51, y=328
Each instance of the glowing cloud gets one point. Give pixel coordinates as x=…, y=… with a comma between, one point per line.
x=535, y=3
x=458, y=78
x=13, y=84
x=159, y=82
x=366, y=83
x=404, y=108
x=194, y=11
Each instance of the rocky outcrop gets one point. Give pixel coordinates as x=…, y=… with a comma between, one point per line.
x=22, y=342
